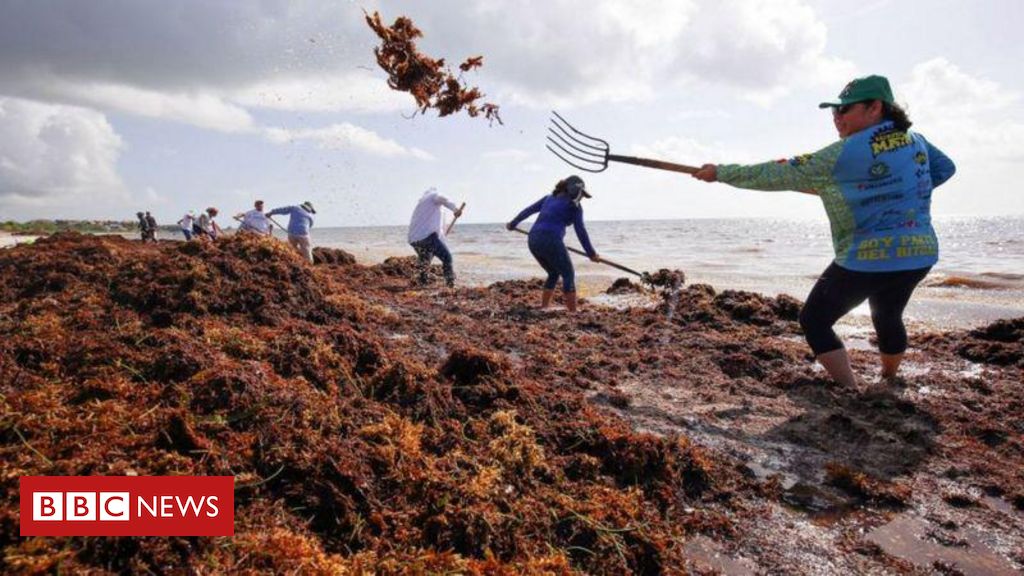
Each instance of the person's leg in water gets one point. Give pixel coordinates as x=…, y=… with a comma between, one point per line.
x=445, y=255
x=835, y=293
x=887, y=307
x=540, y=247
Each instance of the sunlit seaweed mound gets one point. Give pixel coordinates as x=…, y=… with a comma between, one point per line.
x=238, y=358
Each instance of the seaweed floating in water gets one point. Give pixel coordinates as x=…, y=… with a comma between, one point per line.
x=429, y=81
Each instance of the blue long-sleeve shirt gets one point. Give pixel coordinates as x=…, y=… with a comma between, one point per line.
x=556, y=213
x=299, y=221
x=877, y=189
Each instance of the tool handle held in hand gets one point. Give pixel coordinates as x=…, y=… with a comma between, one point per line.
x=601, y=260
x=659, y=164
x=452, y=225
x=278, y=225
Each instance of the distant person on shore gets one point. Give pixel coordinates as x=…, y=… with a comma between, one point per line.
x=143, y=226
x=556, y=212
x=187, y=222
x=151, y=226
x=300, y=220
x=427, y=236
x=876, y=184
x=205, y=226
x=255, y=220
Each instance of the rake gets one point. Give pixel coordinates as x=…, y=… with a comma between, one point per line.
x=591, y=154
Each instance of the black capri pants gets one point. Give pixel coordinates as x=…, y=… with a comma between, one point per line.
x=839, y=290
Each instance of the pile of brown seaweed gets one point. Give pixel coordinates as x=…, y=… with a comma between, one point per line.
x=665, y=278
x=376, y=426
x=236, y=358
x=428, y=80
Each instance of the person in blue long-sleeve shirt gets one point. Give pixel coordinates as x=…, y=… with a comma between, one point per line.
x=876, y=183
x=555, y=213
x=300, y=220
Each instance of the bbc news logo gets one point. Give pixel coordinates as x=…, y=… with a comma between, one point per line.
x=127, y=505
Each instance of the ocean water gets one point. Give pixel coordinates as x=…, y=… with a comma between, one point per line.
x=979, y=277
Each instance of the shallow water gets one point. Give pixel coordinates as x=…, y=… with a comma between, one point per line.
x=914, y=539
x=979, y=278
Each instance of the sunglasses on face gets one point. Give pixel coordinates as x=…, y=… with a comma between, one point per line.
x=840, y=110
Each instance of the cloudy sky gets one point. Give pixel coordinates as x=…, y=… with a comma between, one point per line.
x=112, y=106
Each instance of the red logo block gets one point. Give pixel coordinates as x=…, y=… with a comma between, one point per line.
x=127, y=505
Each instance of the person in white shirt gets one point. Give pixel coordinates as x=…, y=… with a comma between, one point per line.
x=186, y=225
x=255, y=220
x=205, y=226
x=426, y=234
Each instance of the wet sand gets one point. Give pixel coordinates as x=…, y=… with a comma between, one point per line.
x=373, y=424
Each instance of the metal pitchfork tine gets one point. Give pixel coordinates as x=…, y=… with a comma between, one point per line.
x=592, y=154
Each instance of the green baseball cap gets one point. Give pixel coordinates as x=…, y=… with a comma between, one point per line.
x=862, y=89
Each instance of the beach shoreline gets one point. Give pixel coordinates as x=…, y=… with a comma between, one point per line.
x=947, y=299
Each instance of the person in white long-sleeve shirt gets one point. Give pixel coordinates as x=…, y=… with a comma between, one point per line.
x=426, y=234
x=255, y=220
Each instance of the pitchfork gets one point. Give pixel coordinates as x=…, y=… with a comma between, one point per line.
x=593, y=154
x=642, y=275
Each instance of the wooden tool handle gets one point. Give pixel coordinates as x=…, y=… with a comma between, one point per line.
x=276, y=222
x=601, y=260
x=660, y=165
x=452, y=225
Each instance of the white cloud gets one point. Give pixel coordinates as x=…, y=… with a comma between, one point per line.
x=151, y=196
x=50, y=152
x=941, y=88
x=688, y=151
x=180, y=46
x=562, y=53
x=765, y=47
x=361, y=91
x=509, y=154
x=317, y=56
x=965, y=115
x=198, y=109
x=346, y=136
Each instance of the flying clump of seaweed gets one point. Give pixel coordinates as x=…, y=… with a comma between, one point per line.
x=430, y=82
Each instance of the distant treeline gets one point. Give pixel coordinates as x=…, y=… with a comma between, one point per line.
x=44, y=227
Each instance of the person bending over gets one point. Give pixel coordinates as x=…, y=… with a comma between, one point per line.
x=556, y=212
x=426, y=235
x=300, y=220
